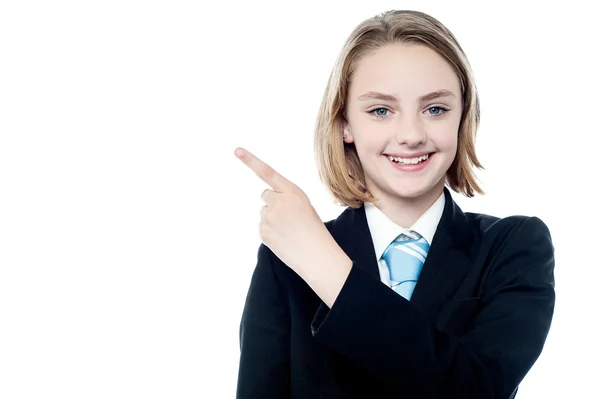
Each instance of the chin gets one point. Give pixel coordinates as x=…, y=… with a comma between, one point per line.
x=414, y=190
x=408, y=193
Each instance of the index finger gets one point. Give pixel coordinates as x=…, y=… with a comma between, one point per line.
x=262, y=170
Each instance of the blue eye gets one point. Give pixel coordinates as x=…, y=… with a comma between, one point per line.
x=435, y=111
x=379, y=114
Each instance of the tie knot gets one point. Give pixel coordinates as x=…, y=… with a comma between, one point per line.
x=407, y=236
x=409, y=242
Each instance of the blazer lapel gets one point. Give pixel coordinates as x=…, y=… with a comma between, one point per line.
x=447, y=263
x=351, y=232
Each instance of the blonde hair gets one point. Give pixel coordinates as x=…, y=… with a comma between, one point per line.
x=338, y=163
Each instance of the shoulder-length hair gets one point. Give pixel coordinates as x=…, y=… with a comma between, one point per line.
x=337, y=162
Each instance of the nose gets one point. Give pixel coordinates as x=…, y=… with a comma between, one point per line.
x=410, y=131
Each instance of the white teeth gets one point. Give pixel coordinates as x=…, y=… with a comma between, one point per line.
x=412, y=161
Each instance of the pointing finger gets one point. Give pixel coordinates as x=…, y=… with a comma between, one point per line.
x=262, y=170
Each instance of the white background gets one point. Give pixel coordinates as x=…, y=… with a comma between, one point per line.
x=128, y=229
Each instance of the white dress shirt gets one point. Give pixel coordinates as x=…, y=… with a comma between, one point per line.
x=384, y=231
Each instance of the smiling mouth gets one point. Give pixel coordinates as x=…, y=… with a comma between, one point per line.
x=410, y=161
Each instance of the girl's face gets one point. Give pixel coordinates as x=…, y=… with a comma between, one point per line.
x=405, y=102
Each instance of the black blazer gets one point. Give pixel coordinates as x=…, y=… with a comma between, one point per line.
x=476, y=323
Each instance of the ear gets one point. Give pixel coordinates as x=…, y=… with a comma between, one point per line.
x=347, y=132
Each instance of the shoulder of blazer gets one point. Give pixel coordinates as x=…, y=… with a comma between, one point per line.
x=348, y=211
x=492, y=227
x=329, y=224
x=515, y=247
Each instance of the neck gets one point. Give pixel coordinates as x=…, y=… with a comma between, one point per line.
x=406, y=211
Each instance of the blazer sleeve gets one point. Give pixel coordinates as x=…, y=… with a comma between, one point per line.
x=389, y=338
x=264, y=368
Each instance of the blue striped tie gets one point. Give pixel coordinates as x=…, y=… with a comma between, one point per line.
x=404, y=258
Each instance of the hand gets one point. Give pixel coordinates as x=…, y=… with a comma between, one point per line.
x=289, y=224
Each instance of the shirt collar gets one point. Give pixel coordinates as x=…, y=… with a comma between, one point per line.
x=384, y=231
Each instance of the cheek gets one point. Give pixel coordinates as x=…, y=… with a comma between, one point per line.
x=445, y=137
x=368, y=136
x=449, y=142
x=369, y=146
x=364, y=146
x=372, y=134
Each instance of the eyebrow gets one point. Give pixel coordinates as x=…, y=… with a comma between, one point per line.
x=387, y=97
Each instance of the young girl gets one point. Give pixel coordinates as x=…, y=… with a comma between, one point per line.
x=403, y=295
